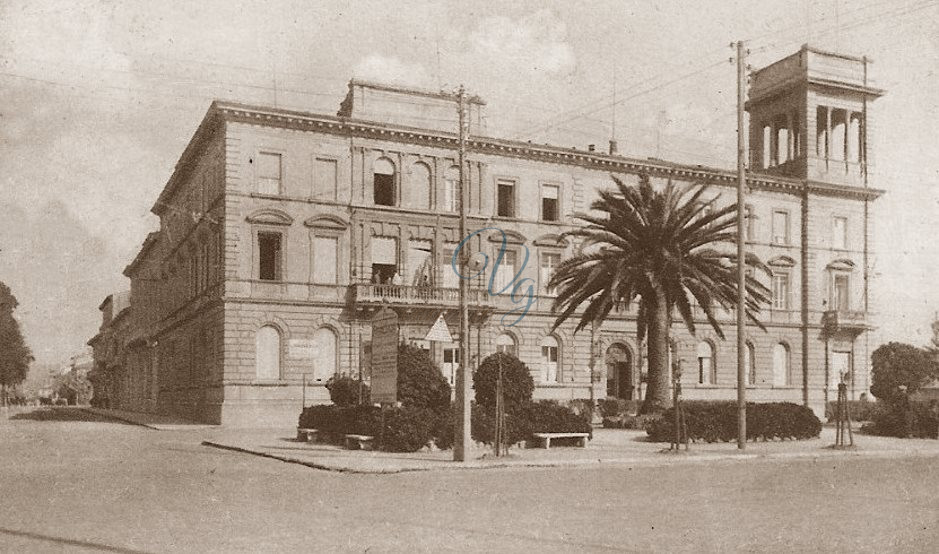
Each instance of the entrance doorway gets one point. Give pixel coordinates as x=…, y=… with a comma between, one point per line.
x=619, y=372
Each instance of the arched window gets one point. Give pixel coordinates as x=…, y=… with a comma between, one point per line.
x=449, y=199
x=705, y=355
x=419, y=193
x=780, y=365
x=549, y=360
x=383, y=181
x=506, y=343
x=749, y=356
x=267, y=353
x=325, y=348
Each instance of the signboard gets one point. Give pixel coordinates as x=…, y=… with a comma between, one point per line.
x=385, y=356
x=439, y=332
x=300, y=349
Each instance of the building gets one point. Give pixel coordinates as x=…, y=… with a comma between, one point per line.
x=283, y=232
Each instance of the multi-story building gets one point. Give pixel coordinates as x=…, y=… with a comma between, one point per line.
x=282, y=233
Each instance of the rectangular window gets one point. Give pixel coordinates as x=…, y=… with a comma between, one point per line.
x=450, y=192
x=506, y=191
x=549, y=203
x=269, y=254
x=505, y=273
x=384, y=185
x=385, y=261
x=839, y=233
x=269, y=173
x=324, y=180
x=780, y=291
x=325, y=254
x=549, y=360
x=780, y=227
x=840, y=293
x=549, y=263
x=451, y=363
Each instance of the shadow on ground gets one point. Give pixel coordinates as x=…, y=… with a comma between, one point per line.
x=62, y=413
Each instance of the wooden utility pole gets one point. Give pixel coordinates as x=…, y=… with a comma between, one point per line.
x=461, y=431
x=741, y=252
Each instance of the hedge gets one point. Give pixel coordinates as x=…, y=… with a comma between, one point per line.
x=635, y=422
x=408, y=429
x=615, y=407
x=905, y=420
x=860, y=410
x=713, y=421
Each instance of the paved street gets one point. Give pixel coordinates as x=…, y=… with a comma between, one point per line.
x=73, y=482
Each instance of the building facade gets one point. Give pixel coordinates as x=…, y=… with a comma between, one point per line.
x=282, y=233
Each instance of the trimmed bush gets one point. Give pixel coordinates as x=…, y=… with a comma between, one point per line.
x=905, y=420
x=407, y=429
x=533, y=417
x=344, y=391
x=483, y=427
x=420, y=382
x=355, y=420
x=634, y=422
x=860, y=410
x=612, y=406
x=717, y=421
x=517, y=383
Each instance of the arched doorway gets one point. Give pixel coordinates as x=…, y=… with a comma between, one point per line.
x=619, y=372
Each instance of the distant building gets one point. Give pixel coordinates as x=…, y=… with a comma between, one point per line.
x=283, y=232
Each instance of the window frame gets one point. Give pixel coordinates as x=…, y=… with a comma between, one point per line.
x=317, y=158
x=833, y=287
x=280, y=353
x=500, y=181
x=315, y=257
x=279, y=263
x=834, y=236
x=396, y=189
x=557, y=201
x=787, y=237
x=787, y=369
x=787, y=300
x=268, y=151
x=542, y=282
x=545, y=361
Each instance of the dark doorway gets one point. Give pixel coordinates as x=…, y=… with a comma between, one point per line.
x=619, y=372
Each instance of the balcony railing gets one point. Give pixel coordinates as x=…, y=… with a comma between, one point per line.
x=416, y=295
x=845, y=320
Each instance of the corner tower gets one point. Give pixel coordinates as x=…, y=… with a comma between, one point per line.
x=809, y=117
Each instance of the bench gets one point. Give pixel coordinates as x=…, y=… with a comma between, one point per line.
x=359, y=442
x=546, y=437
x=306, y=435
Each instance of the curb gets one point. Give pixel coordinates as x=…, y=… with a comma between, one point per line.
x=541, y=464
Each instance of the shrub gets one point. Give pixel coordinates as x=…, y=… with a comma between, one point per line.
x=516, y=381
x=407, y=429
x=860, y=410
x=613, y=407
x=717, y=421
x=635, y=422
x=550, y=417
x=344, y=391
x=328, y=418
x=483, y=426
x=905, y=419
x=420, y=382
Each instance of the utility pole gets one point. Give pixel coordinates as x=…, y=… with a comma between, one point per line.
x=741, y=253
x=461, y=431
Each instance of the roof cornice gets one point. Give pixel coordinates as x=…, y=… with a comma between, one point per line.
x=518, y=149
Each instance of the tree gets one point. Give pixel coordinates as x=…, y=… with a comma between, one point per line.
x=896, y=364
x=661, y=250
x=516, y=380
x=15, y=356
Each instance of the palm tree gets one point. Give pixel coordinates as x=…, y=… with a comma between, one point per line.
x=658, y=248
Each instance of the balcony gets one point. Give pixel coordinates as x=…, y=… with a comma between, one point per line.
x=853, y=321
x=406, y=295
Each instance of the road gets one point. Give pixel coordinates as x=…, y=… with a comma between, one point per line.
x=75, y=483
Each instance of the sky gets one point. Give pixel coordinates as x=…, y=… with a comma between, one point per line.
x=98, y=99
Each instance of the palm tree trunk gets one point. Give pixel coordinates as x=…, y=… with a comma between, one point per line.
x=657, y=397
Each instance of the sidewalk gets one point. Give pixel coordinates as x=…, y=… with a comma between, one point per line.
x=608, y=447
x=153, y=421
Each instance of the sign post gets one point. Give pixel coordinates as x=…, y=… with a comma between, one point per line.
x=385, y=357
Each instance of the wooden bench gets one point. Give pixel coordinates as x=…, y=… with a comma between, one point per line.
x=306, y=435
x=546, y=437
x=359, y=442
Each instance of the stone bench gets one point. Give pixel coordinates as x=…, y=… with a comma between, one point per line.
x=359, y=442
x=546, y=438
x=306, y=435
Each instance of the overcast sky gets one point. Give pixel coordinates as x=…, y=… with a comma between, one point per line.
x=98, y=100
